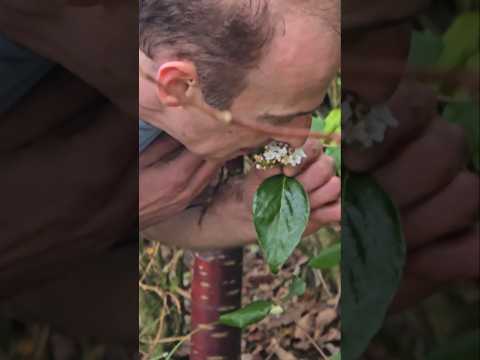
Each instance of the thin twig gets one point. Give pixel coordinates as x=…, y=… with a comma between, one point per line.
x=324, y=283
x=313, y=342
x=151, y=261
x=159, y=333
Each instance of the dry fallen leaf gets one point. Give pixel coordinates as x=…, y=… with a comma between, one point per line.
x=281, y=353
x=325, y=317
x=305, y=324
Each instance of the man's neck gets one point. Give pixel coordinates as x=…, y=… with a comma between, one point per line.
x=153, y=112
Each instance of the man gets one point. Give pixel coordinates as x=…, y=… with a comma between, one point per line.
x=224, y=78
x=106, y=174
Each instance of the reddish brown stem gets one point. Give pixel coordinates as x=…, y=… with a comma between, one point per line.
x=216, y=289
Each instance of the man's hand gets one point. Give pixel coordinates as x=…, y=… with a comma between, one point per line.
x=422, y=166
x=167, y=187
x=232, y=207
x=317, y=175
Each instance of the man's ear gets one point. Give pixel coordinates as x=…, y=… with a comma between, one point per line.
x=177, y=83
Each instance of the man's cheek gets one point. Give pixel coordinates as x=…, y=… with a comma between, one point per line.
x=375, y=61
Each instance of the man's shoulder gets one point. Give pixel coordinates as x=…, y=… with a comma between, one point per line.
x=20, y=70
x=147, y=133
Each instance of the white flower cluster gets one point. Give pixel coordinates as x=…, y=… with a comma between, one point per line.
x=365, y=125
x=278, y=154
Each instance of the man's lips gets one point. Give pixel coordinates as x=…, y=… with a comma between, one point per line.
x=251, y=150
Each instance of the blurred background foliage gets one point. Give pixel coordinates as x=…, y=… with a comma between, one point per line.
x=445, y=326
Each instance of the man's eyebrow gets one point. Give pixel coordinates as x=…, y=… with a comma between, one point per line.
x=280, y=117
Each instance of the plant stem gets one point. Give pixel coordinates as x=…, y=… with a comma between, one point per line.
x=216, y=289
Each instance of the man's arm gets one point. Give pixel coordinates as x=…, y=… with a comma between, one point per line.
x=68, y=184
x=228, y=221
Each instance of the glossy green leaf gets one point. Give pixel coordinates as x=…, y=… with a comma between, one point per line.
x=327, y=258
x=373, y=256
x=297, y=287
x=280, y=212
x=461, y=41
x=248, y=315
x=466, y=114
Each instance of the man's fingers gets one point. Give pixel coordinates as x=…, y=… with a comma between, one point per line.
x=450, y=259
x=313, y=149
x=318, y=173
x=442, y=151
x=256, y=177
x=185, y=165
x=158, y=150
x=414, y=107
x=180, y=171
x=326, y=194
x=444, y=213
x=433, y=267
x=328, y=214
x=202, y=177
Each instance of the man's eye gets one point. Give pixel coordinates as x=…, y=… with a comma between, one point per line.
x=283, y=121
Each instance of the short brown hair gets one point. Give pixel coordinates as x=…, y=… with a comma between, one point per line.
x=224, y=39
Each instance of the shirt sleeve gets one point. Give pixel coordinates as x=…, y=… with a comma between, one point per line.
x=146, y=134
x=20, y=70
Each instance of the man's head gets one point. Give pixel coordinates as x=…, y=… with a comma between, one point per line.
x=266, y=61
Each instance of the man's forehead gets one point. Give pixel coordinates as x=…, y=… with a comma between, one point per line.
x=295, y=72
x=305, y=50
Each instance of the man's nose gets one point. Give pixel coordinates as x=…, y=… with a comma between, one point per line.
x=301, y=122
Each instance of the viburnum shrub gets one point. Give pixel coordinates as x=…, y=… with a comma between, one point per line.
x=372, y=241
x=281, y=210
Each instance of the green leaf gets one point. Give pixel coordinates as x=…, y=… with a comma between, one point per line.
x=280, y=212
x=318, y=123
x=466, y=114
x=373, y=256
x=327, y=258
x=248, y=315
x=337, y=356
x=460, y=41
x=425, y=49
x=336, y=153
x=297, y=287
x=333, y=121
